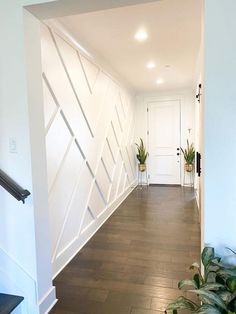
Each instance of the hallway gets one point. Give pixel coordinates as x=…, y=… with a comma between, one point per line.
x=133, y=263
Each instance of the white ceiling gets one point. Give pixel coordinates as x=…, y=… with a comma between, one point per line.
x=174, y=35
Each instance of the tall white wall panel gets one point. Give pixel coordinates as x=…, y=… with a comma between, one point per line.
x=89, y=129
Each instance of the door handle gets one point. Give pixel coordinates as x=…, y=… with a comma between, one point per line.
x=178, y=148
x=177, y=154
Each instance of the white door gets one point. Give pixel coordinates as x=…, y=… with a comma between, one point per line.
x=164, y=142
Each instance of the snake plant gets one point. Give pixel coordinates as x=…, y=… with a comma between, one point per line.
x=216, y=289
x=142, y=154
x=189, y=153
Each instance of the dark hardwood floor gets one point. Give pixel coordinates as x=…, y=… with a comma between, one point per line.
x=133, y=263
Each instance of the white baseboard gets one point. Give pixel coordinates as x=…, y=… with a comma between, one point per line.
x=76, y=245
x=48, y=301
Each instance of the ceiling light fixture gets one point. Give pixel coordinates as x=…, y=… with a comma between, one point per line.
x=160, y=81
x=151, y=65
x=141, y=35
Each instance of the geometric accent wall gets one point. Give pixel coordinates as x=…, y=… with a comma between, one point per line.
x=89, y=130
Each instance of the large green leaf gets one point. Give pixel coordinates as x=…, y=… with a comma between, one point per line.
x=212, y=286
x=208, y=254
x=187, y=282
x=212, y=297
x=225, y=295
x=225, y=273
x=180, y=304
x=208, y=309
x=215, y=262
x=216, y=259
x=231, y=283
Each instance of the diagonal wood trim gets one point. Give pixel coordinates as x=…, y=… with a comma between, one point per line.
x=71, y=83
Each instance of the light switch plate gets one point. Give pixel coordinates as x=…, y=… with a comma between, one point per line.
x=12, y=145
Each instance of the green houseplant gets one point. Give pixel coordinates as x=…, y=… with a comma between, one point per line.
x=216, y=289
x=189, y=156
x=141, y=156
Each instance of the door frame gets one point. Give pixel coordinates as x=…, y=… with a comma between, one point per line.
x=184, y=96
x=180, y=131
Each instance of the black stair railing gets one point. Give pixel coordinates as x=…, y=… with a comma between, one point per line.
x=12, y=187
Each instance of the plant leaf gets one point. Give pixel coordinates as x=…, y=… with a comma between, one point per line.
x=216, y=259
x=231, y=283
x=226, y=272
x=215, y=262
x=142, y=154
x=195, y=266
x=219, y=279
x=208, y=254
x=187, y=282
x=208, y=309
x=197, y=280
x=211, y=297
x=232, y=305
x=212, y=286
x=225, y=295
x=180, y=304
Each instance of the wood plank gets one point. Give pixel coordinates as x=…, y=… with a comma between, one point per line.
x=133, y=263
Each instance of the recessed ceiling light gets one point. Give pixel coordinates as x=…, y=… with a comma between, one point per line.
x=151, y=65
x=160, y=81
x=141, y=35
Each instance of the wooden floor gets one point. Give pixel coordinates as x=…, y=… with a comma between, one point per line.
x=133, y=263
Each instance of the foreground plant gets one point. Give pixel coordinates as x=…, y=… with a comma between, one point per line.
x=216, y=289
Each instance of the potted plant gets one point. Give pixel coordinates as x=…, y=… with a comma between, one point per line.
x=141, y=156
x=215, y=289
x=189, y=156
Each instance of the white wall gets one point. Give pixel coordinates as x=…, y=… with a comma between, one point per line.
x=219, y=124
x=25, y=266
x=89, y=127
x=24, y=254
x=199, y=119
x=186, y=98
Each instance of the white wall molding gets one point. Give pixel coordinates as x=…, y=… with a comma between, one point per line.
x=86, y=51
x=76, y=245
x=89, y=123
x=48, y=301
